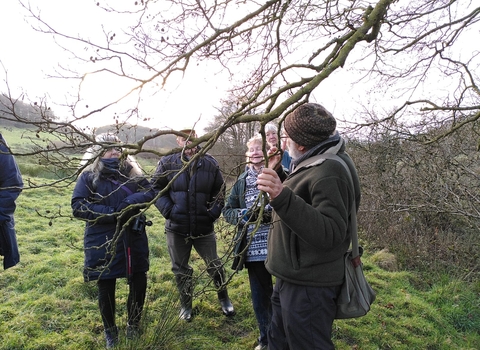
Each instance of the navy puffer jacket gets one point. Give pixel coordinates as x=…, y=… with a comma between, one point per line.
x=195, y=199
x=11, y=185
x=97, y=206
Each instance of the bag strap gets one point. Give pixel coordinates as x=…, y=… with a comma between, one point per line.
x=353, y=213
x=122, y=186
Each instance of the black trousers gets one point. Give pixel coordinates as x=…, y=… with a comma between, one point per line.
x=261, y=287
x=136, y=299
x=302, y=317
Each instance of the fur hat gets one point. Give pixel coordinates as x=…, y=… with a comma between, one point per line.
x=91, y=158
x=95, y=150
x=190, y=132
x=310, y=124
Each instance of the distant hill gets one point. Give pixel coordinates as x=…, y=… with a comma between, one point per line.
x=131, y=134
x=30, y=113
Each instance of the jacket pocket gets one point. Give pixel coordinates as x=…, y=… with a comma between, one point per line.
x=294, y=252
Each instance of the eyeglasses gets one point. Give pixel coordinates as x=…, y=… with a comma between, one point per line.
x=115, y=149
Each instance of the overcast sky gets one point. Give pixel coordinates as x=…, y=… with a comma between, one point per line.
x=29, y=57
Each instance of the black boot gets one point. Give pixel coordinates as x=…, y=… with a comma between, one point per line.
x=111, y=337
x=185, y=287
x=186, y=308
x=132, y=331
x=225, y=303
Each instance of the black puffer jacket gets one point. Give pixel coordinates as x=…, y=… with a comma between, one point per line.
x=97, y=205
x=195, y=199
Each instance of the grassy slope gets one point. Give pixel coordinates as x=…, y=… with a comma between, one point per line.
x=15, y=136
x=46, y=305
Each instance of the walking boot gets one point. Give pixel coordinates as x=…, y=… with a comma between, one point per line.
x=132, y=331
x=186, y=306
x=186, y=313
x=111, y=337
x=185, y=287
x=225, y=303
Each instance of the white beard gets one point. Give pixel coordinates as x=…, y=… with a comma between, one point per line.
x=292, y=150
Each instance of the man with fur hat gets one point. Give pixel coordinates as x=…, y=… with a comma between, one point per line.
x=310, y=229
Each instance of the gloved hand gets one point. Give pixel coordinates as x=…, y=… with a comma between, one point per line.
x=123, y=204
x=248, y=216
x=135, y=198
x=125, y=214
x=244, y=216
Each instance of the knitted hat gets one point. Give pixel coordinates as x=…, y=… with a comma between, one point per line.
x=189, y=132
x=310, y=124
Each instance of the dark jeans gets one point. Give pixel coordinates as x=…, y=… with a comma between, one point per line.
x=180, y=248
x=261, y=287
x=302, y=317
x=136, y=299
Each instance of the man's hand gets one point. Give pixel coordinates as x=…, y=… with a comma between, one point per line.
x=274, y=158
x=269, y=182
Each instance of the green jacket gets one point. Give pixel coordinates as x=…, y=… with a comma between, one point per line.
x=236, y=201
x=311, y=227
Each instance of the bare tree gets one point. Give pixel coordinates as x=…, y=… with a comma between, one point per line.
x=231, y=146
x=258, y=45
x=426, y=68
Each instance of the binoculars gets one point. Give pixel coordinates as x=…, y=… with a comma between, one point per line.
x=139, y=224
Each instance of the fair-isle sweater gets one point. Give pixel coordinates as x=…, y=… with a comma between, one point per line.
x=244, y=195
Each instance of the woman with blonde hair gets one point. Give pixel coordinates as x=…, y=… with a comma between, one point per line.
x=242, y=209
x=108, y=196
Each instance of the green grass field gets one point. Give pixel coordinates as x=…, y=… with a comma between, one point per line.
x=46, y=305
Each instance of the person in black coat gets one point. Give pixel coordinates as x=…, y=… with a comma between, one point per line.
x=11, y=185
x=108, y=196
x=191, y=204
